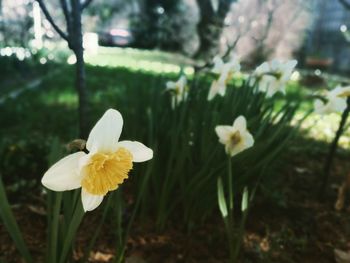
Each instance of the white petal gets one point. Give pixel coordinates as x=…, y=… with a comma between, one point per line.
x=275, y=65
x=90, y=202
x=65, y=174
x=222, y=89
x=232, y=151
x=266, y=82
x=263, y=68
x=240, y=123
x=291, y=64
x=338, y=104
x=213, y=90
x=139, y=151
x=344, y=92
x=218, y=64
x=248, y=140
x=105, y=135
x=224, y=132
x=170, y=85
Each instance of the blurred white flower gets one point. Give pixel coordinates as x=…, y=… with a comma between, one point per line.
x=104, y=168
x=335, y=101
x=236, y=138
x=178, y=89
x=273, y=76
x=225, y=71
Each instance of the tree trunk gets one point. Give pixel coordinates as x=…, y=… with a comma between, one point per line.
x=210, y=27
x=80, y=85
x=76, y=39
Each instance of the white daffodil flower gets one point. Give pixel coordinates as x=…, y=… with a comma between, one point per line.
x=225, y=71
x=335, y=101
x=104, y=168
x=178, y=90
x=236, y=138
x=273, y=76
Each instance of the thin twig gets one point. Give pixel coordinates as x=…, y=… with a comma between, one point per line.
x=67, y=15
x=85, y=4
x=333, y=148
x=50, y=19
x=345, y=4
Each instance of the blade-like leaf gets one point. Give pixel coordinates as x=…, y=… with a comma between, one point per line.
x=221, y=199
x=11, y=225
x=244, y=204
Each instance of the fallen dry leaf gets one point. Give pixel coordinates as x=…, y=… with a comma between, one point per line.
x=101, y=257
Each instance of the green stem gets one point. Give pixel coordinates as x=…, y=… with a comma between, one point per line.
x=53, y=227
x=230, y=218
x=72, y=230
x=133, y=215
x=238, y=244
x=230, y=185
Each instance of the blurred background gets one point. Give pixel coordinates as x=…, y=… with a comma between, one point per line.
x=314, y=31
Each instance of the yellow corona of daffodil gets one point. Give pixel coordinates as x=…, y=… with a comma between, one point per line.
x=236, y=138
x=101, y=170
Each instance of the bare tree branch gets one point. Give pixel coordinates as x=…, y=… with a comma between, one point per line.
x=65, y=9
x=345, y=4
x=50, y=19
x=68, y=18
x=85, y=4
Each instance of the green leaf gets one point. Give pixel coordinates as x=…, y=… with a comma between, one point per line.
x=72, y=231
x=244, y=204
x=221, y=199
x=11, y=225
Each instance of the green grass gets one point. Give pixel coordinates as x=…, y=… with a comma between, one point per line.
x=135, y=59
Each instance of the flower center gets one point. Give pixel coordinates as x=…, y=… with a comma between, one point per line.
x=235, y=138
x=106, y=171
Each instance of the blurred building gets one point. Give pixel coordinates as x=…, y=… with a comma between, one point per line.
x=327, y=45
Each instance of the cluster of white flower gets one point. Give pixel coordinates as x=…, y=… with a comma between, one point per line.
x=271, y=77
